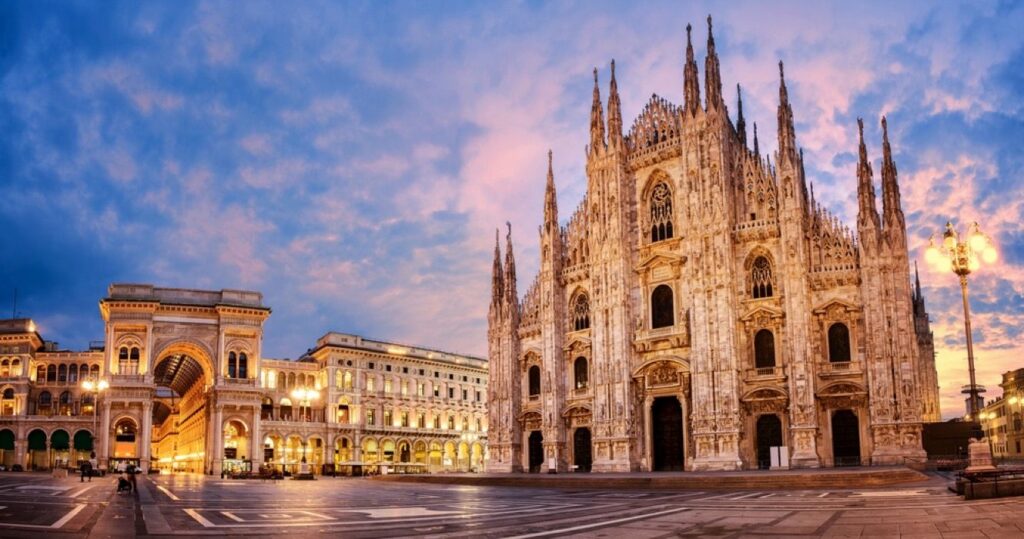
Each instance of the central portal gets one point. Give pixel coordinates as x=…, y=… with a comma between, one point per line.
x=667, y=436
x=581, y=449
x=180, y=417
x=536, y=444
x=769, y=435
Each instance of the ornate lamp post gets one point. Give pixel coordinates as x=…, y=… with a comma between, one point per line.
x=963, y=256
x=304, y=397
x=95, y=388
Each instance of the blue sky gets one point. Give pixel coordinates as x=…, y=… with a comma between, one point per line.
x=351, y=160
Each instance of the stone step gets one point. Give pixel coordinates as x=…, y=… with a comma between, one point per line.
x=767, y=480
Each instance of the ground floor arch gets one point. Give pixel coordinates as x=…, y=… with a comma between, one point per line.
x=7, y=451
x=476, y=459
x=419, y=452
x=37, y=450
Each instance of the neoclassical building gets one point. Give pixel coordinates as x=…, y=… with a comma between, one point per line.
x=186, y=388
x=700, y=308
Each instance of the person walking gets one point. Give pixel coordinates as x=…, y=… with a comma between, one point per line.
x=131, y=470
x=86, y=469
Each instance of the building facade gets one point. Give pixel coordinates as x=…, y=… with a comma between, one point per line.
x=1001, y=419
x=700, y=308
x=186, y=388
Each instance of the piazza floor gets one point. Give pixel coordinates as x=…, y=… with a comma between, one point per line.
x=36, y=505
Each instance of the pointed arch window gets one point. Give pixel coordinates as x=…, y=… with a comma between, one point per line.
x=662, y=307
x=761, y=278
x=534, y=381
x=579, y=368
x=764, y=349
x=838, y=343
x=581, y=312
x=661, y=212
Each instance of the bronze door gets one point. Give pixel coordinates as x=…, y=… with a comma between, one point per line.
x=667, y=420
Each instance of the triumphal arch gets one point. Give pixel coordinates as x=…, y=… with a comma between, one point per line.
x=182, y=371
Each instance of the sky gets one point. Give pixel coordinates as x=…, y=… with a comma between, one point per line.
x=351, y=160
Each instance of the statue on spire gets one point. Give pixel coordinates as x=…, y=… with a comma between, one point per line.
x=597, y=143
x=614, y=113
x=691, y=87
x=712, y=75
x=741, y=124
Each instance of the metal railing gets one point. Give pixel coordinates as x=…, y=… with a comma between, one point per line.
x=759, y=373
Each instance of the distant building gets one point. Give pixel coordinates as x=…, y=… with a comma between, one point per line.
x=1001, y=418
x=190, y=391
x=700, y=307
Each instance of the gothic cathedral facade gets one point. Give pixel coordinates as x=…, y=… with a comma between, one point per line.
x=701, y=311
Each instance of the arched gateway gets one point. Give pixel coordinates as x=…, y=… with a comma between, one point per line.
x=181, y=388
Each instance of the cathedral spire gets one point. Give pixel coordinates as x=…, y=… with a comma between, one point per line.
x=741, y=124
x=497, y=279
x=757, y=150
x=614, y=113
x=550, y=200
x=712, y=76
x=691, y=90
x=890, y=185
x=510, y=269
x=917, y=283
x=787, y=134
x=867, y=212
x=596, y=120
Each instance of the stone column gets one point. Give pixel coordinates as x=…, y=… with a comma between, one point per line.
x=104, y=435
x=147, y=435
x=218, y=438
x=648, y=434
x=20, y=453
x=256, y=439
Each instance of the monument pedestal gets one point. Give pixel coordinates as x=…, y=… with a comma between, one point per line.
x=979, y=456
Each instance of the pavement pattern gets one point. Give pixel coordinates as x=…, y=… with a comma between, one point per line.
x=36, y=505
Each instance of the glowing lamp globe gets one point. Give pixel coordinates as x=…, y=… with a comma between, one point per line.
x=978, y=241
x=989, y=255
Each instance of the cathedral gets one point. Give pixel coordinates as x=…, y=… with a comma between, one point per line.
x=699, y=310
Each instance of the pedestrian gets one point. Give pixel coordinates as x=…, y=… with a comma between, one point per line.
x=131, y=469
x=86, y=470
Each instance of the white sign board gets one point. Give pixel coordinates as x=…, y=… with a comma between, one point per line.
x=780, y=457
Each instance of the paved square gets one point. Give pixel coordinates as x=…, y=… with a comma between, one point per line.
x=34, y=505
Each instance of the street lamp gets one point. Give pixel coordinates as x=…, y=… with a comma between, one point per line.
x=963, y=256
x=95, y=388
x=305, y=398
